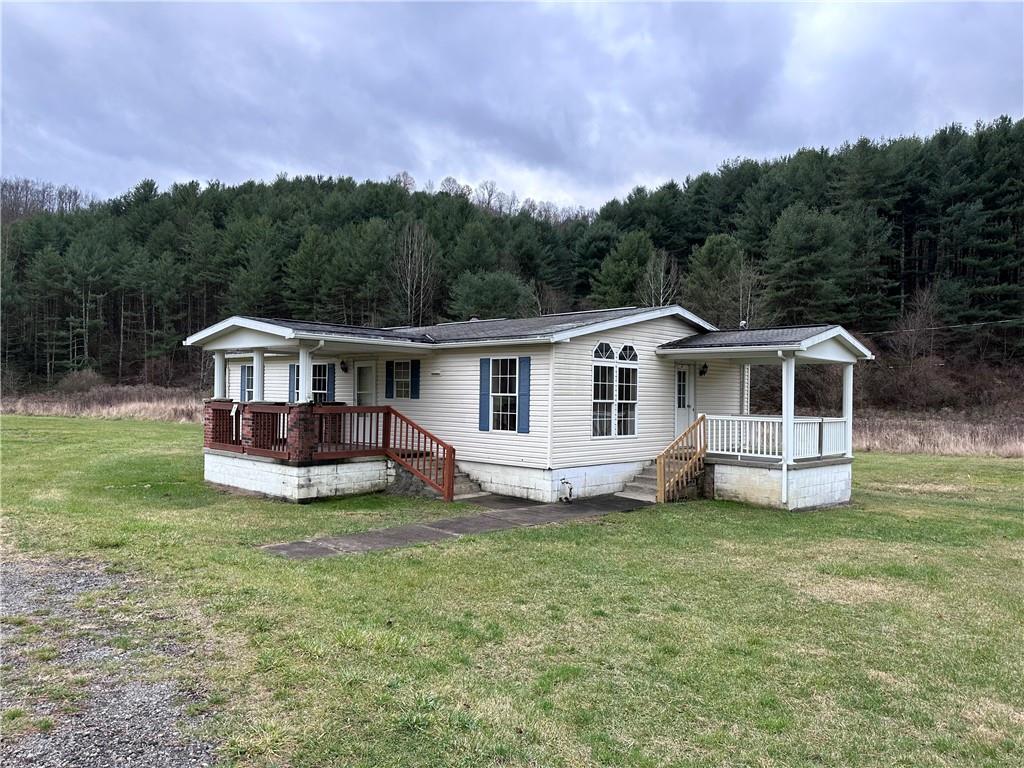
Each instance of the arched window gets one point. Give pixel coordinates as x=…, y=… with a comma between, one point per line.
x=615, y=391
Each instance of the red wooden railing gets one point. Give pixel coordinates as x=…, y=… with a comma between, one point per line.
x=347, y=431
x=269, y=436
x=427, y=456
x=223, y=426
x=305, y=433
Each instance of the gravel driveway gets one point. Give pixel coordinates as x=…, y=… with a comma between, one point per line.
x=87, y=673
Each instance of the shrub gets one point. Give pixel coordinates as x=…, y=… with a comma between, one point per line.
x=79, y=381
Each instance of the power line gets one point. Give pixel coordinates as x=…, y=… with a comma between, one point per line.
x=944, y=327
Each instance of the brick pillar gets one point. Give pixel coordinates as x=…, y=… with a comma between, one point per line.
x=246, y=426
x=301, y=432
x=207, y=423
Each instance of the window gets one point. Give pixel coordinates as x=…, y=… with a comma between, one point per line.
x=320, y=382
x=320, y=378
x=247, y=379
x=627, y=392
x=681, y=388
x=504, y=393
x=403, y=379
x=604, y=398
x=615, y=391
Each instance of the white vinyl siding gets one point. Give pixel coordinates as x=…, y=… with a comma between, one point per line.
x=720, y=390
x=275, y=378
x=448, y=404
x=573, y=443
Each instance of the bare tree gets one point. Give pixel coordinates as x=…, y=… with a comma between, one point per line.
x=415, y=270
x=750, y=287
x=659, y=284
x=451, y=186
x=914, y=332
x=404, y=180
x=549, y=300
x=485, y=195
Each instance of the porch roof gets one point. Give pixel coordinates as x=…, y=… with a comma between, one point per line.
x=808, y=343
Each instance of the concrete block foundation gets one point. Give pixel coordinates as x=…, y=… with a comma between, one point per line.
x=810, y=485
x=545, y=485
x=269, y=477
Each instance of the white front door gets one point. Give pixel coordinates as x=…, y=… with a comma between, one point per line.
x=684, y=392
x=366, y=384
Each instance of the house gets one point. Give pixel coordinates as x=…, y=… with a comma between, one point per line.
x=528, y=407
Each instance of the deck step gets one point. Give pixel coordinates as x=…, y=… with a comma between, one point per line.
x=645, y=484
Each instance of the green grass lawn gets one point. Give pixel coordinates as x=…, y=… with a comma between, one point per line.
x=890, y=632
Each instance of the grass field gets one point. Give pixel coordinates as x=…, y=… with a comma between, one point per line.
x=890, y=632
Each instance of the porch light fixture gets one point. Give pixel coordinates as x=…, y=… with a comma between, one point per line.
x=343, y=365
x=703, y=370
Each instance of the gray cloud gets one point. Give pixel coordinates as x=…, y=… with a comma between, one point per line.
x=574, y=104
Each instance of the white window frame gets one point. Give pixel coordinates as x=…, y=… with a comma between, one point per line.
x=514, y=395
x=619, y=402
x=407, y=381
x=322, y=392
x=247, y=372
x=616, y=365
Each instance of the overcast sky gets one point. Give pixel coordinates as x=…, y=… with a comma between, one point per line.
x=572, y=104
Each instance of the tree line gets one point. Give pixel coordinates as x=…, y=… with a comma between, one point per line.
x=871, y=235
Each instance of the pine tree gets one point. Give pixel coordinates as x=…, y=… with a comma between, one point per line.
x=618, y=282
x=305, y=292
x=488, y=295
x=807, y=252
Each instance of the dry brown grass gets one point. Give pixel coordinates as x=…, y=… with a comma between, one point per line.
x=947, y=433
x=113, y=402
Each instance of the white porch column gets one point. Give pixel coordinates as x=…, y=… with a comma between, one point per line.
x=788, y=409
x=305, y=393
x=219, y=375
x=257, y=375
x=848, y=406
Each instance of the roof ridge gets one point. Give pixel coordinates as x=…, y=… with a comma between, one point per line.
x=531, y=317
x=774, y=327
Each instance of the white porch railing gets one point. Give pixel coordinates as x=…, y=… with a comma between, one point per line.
x=761, y=436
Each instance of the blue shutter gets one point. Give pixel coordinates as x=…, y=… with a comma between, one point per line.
x=389, y=379
x=241, y=383
x=414, y=379
x=330, y=383
x=485, y=394
x=523, y=405
x=292, y=368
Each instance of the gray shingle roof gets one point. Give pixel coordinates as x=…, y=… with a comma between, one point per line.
x=518, y=328
x=468, y=330
x=752, y=337
x=340, y=329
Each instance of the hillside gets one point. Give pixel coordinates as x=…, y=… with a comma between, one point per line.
x=893, y=238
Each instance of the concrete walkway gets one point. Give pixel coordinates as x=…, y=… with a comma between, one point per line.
x=503, y=513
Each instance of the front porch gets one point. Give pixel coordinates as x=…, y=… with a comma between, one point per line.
x=306, y=450
x=781, y=460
